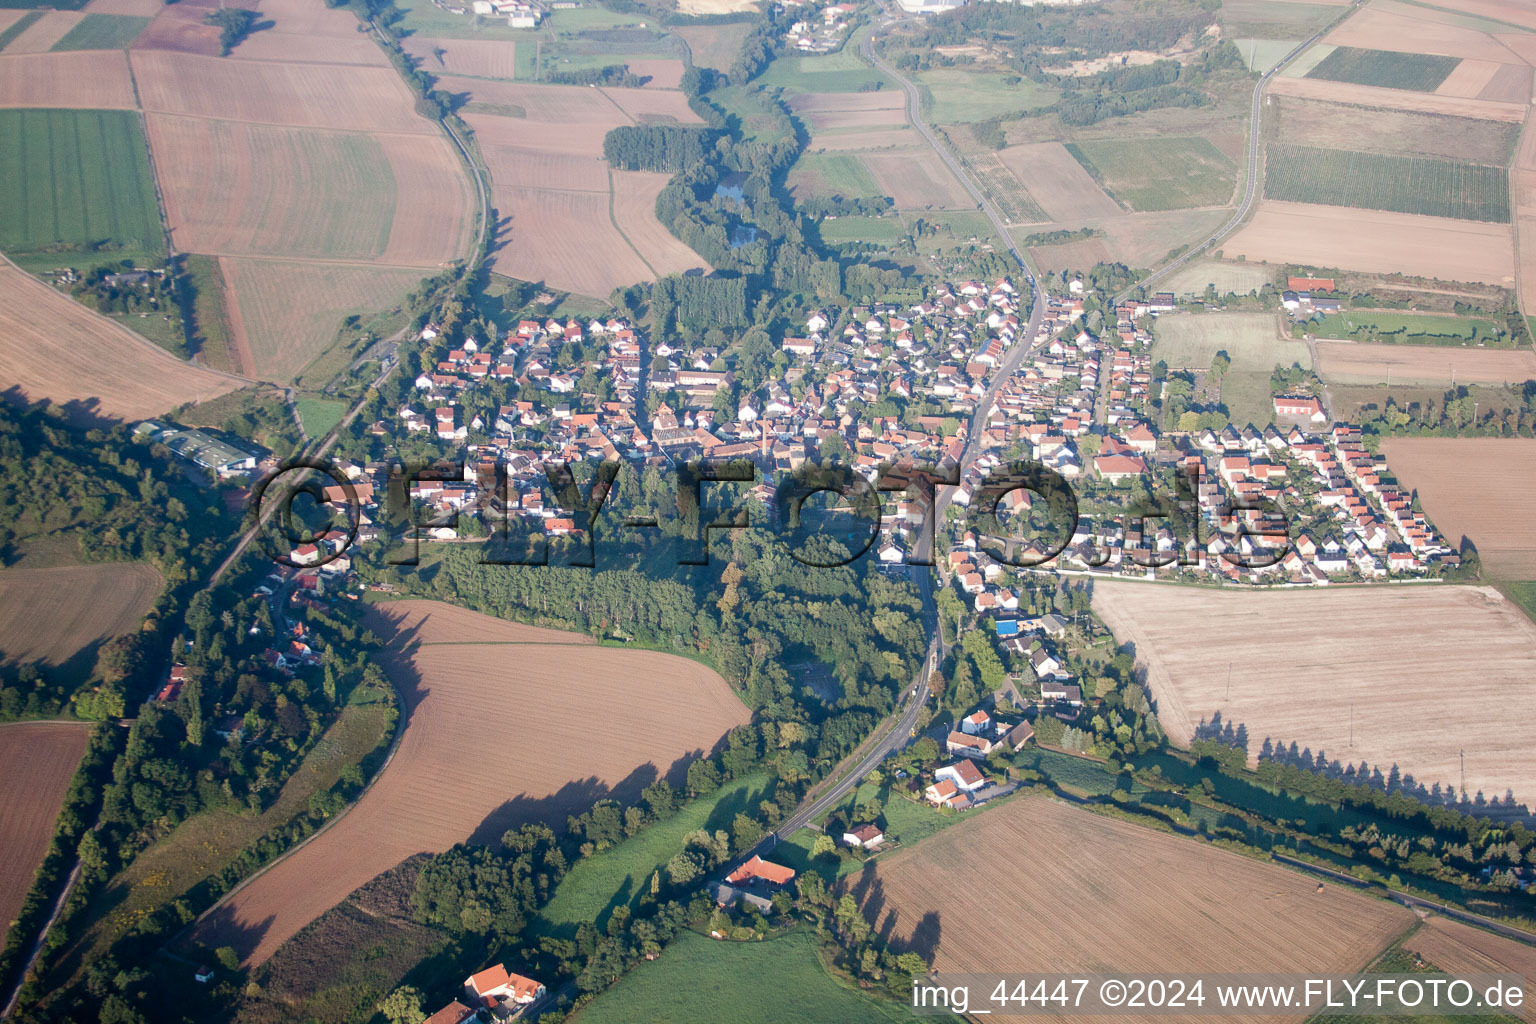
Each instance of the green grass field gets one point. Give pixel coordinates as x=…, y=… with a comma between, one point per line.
x=1159, y=174
x=832, y=174
x=960, y=96
x=319, y=415
x=1376, y=181
x=1248, y=398
x=1523, y=593
x=1227, y=277
x=1420, y=72
x=102, y=32
x=77, y=178
x=618, y=875
x=1263, y=54
x=880, y=230
x=1407, y=328
x=703, y=980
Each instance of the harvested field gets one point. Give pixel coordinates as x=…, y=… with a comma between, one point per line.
x=642, y=713
x=1495, y=10
x=1227, y=277
x=136, y=8
x=1362, y=363
x=319, y=96
x=270, y=45
x=1080, y=256
x=1377, y=242
x=1058, y=183
x=918, y=180
x=1470, y=78
x=181, y=28
x=307, y=18
x=1396, y=99
x=1475, y=487
x=255, y=189
x=820, y=102
x=1189, y=341
x=1376, y=181
x=1511, y=84
x=634, y=210
x=893, y=138
x=661, y=72
x=51, y=616
x=1394, y=132
x=652, y=106
x=78, y=79
x=836, y=120
x=1523, y=182
x=285, y=314
x=1413, y=28
x=714, y=6
x=434, y=202
x=1061, y=879
x=1312, y=665
x=1462, y=949
x=554, y=104
x=566, y=240
x=478, y=58
x=37, y=761
x=40, y=36
x=45, y=337
x=1142, y=239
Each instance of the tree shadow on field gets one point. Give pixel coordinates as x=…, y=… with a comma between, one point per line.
x=85, y=413
x=869, y=893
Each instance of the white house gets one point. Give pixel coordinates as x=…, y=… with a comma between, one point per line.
x=496, y=988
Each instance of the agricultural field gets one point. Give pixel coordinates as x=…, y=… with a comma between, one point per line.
x=1376, y=241
x=1407, y=328
x=831, y=174
x=1262, y=54
x=1523, y=177
x=1309, y=122
x=57, y=617
x=713, y=46
x=1330, y=670
x=1073, y=886
x=644, y=715
x=319, y=415
x=1159, y=173
x=77, y=178
x=1228, y=278
x=918, y=181
x=1394, y=99
x=1057, y=183
x=1463, y=949
x=1375, y=181
x=476, y=58
x=575, y=225
x=102, y=32
x=37, y=761
x=878, y=230
x=1474, y=487
x=45, y=337
x=619, y=874
x=42, y=33
x=1190, y=341
x=1428, y=29
x=1268, y=19
x=1385, y=69
x=1346, y=362
x=698, y=980
x=285, y=314
x=963, y=96
x=838, y=111
x=74, y=80
x=299, y=95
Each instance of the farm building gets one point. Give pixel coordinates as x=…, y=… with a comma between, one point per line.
x=502, y=992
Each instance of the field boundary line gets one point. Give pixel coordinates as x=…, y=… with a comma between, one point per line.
x=401, y=721
x=614, y=220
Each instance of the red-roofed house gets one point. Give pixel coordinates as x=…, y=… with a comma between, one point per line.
x=757, y=868
x=454, y=1013
x=502, y=992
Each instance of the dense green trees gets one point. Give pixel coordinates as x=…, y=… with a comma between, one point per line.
x=657, y=147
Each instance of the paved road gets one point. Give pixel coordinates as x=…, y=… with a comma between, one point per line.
x=1251, y=188
x=899, y=731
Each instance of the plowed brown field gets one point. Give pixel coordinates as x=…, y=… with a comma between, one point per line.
x=40, y=36
x=1334, y=670
x=1036, y=885
x=479, y=58
x=1477, y=487
x=1355, y=363
x=1377, y=242
x=50, y=615
x=54, y=348
x=1057, y=182
x=1396, y=99
x=37, y=760
x=504, y=727
x=634, y=210
x=918, y=180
